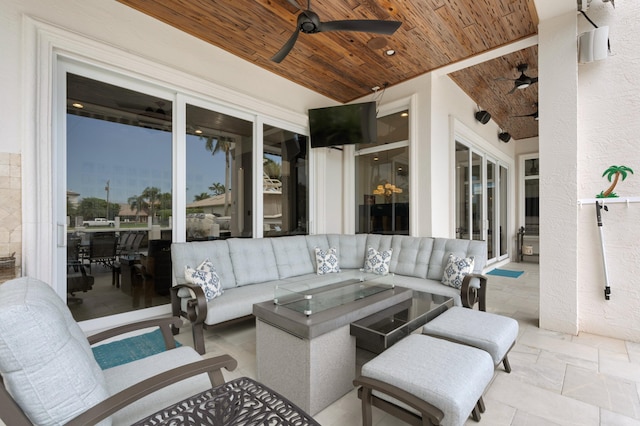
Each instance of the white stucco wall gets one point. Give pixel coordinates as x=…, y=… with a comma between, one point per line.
x=557, y=71
x=608, y=134
x=589, y=116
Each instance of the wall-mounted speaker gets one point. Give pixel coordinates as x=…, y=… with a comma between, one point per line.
x=504, y=136
x=483, y=117
x=593, y=45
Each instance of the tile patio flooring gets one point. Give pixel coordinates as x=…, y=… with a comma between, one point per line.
x=557, y=379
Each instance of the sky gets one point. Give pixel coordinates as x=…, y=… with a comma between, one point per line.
x=131, y=158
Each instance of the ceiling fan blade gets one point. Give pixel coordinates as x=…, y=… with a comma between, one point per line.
x=534, y=80
x=294, y=4
x=362, y=25
x=284, y=51
x=512, y=90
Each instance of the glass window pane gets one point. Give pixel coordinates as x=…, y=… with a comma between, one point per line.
x=119, y=200
x=531, y=206
x=382, y=188
x=531, y=167
x=462, y=191
x=491, y=200
x=219, y=150
x=476, y=197
x=382, y=179
x=285, y=182
x=504, y=210
x=391, y=128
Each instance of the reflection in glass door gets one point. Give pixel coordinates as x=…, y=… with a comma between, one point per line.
x=219, y=153
x=119, y=198
x=285, y=182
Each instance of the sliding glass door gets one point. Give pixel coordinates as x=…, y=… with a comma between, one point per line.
x=481, y=199
x=139, y=166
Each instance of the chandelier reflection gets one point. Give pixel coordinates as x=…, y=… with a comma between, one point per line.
x=387, y=190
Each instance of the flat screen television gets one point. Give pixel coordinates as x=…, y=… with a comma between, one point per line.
x=343, y=125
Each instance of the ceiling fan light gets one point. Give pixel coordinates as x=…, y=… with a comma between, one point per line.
x=389, y=52
x=523, y=85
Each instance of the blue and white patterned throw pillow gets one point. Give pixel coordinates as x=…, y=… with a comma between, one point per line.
x=377, y=261
x=456, y=269
x=205, y=276
x=327, y=261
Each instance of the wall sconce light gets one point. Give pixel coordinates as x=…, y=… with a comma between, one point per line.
x=483, y=116
x=504, y=136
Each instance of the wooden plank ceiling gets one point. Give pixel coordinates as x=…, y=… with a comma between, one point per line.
x=346, y=65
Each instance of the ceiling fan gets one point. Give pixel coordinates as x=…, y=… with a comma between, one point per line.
x=309, y=23
x=523, y=81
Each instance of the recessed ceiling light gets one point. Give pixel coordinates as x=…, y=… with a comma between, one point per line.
x=404, y=114
x=198, y=132
x=389, y=52
x=77, y=105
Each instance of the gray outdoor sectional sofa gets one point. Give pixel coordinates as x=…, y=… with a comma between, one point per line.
x=250, y=269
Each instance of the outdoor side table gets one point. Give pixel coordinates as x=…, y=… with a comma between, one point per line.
x=238, y=402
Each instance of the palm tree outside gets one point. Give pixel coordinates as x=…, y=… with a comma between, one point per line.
x=152, y=195
x=216, y=144
x=137, y=204
x=217, y=188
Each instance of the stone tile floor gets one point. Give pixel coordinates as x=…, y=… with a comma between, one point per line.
x=557, y=379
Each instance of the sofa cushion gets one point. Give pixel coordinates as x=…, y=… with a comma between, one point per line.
x=291, y=255
x=380, y=242
x=456, y=269
x=442, y=247
x=314, y=241
x=411, y=255
x=438, y=291
x=253, y=260
x=45, y=359
x=205, y=276
x=327, y=261
x=351, y=249
x=192, y=253
x=377, y=261
x=239, y=302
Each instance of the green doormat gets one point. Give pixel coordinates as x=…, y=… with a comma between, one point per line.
x=505, y=273
x=129, y=349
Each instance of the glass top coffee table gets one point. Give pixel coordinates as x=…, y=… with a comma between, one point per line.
x=309, y=300
x=379, y=331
